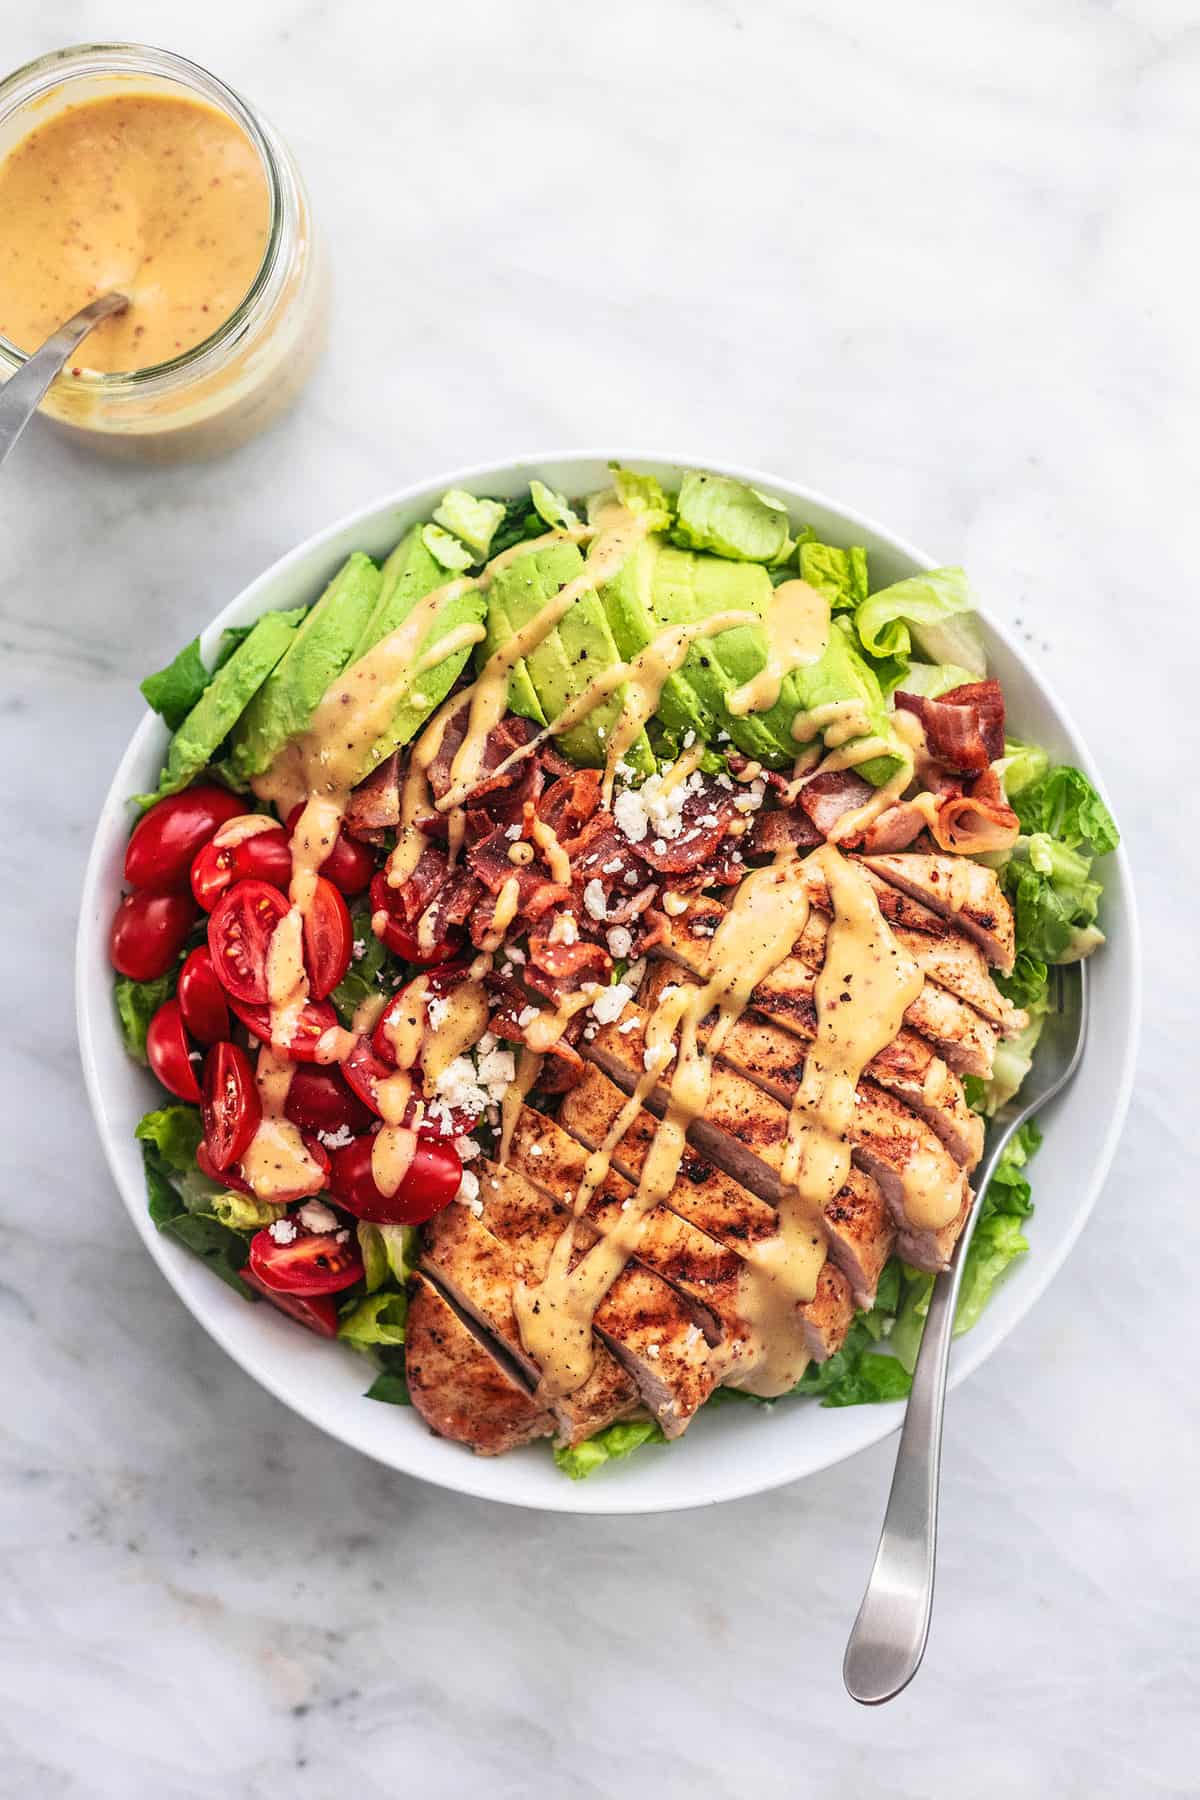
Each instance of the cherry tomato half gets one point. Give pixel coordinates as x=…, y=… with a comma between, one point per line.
x=431, y=1182
x=393, y=930
x=170, y=1054
x=264, y=857
x=315, y=1020
x=349, y=865
x=317, y=1311
x=148, y=932
x=320, y=1100
x=239, y=932
x=230, y=1106
x=403, y=1013
x=313, y=1263
x=202, y=998
x=159, y=854
x=230, y=1178
x=328, y=939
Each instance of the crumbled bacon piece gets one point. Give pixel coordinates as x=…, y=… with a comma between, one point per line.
x=781, y=829
x=567, y=804
x=964, y=729
x=374, y=806
x=826, y=798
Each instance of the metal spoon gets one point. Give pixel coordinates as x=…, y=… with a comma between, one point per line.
x=21, y=394
x=888, y=1640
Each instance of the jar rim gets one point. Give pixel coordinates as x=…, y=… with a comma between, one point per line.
x=57, y=68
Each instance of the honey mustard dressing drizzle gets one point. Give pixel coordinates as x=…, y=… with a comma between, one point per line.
x=529, y=1067
x=797, y=628
x=276, y=1162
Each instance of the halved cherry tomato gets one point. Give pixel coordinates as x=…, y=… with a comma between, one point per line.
x=317, y=1311
x=348, y=865
x=431, y=1182
x=159, y=854
x=202, y=998
x=313, y=1263
x=230, y=1106
x=393, y=930
x=320, y=1100
x=316, y=1018
x=362, y=1069
x=148, y=932
x=402, y=1012
x=264, y=857
x=328, y=939
x=230, y=1178
x=239, y=932
x=169, y=1052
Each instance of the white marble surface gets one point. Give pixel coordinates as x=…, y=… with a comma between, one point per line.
x=939, y=261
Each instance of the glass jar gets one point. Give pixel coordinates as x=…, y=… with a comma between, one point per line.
x=225, y=389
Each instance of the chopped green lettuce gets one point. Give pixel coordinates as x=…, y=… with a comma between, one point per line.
x=389, y=1253
x=519, y=521
x=363, y=976
x=934, y=611
x=643, y=494
x=607, y=1446
x=841, y=575
x=379, y=1319
x=390, y=1387
x=476, y=522
x=857, y=1374
x=1022, y=765
x=934, y=679
x=175, y=1131
x=136, y=1003
x=554, y=508
x=1065, y=806
x=446, y=549
x=223, y=1249
x=375, y=1263
x=173, y=691
x=715, y=512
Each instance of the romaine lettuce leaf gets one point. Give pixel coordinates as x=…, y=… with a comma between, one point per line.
x=173, y=691
x=362, y=978
x=608, y=1446
x=1065, y=806
x=224, y=1250
x=715, y=512
x=857, y=1374
x=390, y=1387
x=643, y=494
x=175, y=1131
x=379, y=1319
x=476, y=522
x=933, y=611
x=446, y=549
x=841, y=575
x=1022, y=765
x=934, y=679
x=554, y=508
x=136, y=1003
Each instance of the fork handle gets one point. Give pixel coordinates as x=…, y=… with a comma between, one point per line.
x=889, y=1635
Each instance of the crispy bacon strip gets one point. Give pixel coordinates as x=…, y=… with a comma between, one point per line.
x=827, y=797
x=981, y=820
x=964, y=729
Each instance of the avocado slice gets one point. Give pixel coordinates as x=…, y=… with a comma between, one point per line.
x=287, y=700
x=627, y=604
x=567, y=660
x=224, y=701
x=409, y=574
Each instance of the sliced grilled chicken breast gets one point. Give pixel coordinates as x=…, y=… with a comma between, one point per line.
x=861, y=1233
x=649, y=1327
x=479, y=1272
x=745, y=1131
x=960, y=890
x=774, y=1060
x=459, y=1387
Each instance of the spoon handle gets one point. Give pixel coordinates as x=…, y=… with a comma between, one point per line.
x=22, y=392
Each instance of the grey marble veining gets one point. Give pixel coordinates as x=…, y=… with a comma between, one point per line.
x=938, y=261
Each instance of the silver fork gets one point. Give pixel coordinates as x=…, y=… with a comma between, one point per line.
x=888, y=1640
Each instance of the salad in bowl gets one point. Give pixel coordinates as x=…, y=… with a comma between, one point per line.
x=580, y=951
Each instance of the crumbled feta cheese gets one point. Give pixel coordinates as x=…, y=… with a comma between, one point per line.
x=283, y=1231
x=723, y=781
x=660, y=846
x=722, y=737
x=536, y=1150
x=689, y=738
x=611, y=868
x=628, y=1025
x=438, y=1010
x=629, y=811
x=709, y=818
x=590, y=1031
x=515, y=955
x=487, y=1042
x=752, y=798
x=674, y=905
x=359, y=948
x=336, y=1140
x=497, y=1072
x=467, y=1149
x=611, y=1002
x=652, y=1351
x=458, y=1086
x=631, y=880
x=564, y=930
x=527, y=1015
x=620, y=940
x=513, y=832
x=316, y=1216
x=468, y=1187
x=594, y=899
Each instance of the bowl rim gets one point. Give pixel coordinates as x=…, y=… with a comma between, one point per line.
x=877, y=1422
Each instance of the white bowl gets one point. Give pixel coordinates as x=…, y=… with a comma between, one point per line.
x=736, y=1450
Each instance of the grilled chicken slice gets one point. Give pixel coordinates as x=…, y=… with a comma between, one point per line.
x=774, y=1060
x=649, y=1327
x=958, y=1033
x=744, y=1131
x=960, y=890
x=861, y=1234
x=458, y=1385
x=479, y=1272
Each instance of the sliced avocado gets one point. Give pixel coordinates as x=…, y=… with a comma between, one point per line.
x=568, y=659
x=287, y=700
x=627, y=606
x=224, y=700
x=842, y=674
x=409, y=574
